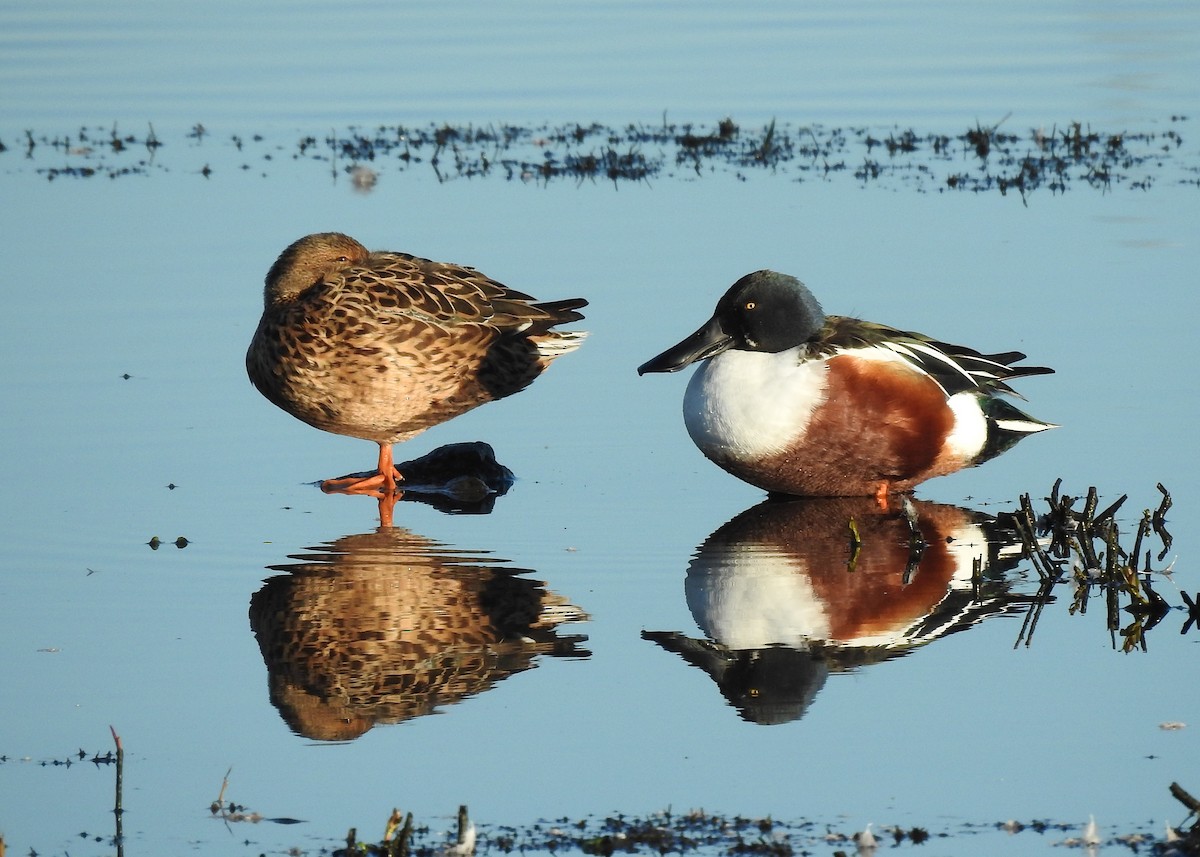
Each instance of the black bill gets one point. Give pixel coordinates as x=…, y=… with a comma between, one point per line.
x=708, y=341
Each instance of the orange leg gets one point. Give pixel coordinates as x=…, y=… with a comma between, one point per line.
x=881, y=494
x=387, y=504
x=387, y=468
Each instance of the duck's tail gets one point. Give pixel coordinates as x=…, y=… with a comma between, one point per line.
x=1007, y=424
x=563, y=311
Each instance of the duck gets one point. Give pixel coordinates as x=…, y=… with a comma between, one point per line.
x=383, y=345
x=800, y=403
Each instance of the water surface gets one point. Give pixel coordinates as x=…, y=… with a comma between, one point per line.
x=128, y=415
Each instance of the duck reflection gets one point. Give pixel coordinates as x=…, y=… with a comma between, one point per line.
x=791, y=590
x=386, y=626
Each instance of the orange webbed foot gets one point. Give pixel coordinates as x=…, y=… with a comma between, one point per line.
x=382, y=482
x=374, y=484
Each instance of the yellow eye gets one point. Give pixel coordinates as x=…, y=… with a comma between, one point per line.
x=750, y=304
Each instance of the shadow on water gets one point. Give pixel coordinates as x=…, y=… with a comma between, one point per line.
x=385, y=626
x=792, y=590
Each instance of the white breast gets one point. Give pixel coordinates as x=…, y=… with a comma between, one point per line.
x=748, y=598
x=746, y=404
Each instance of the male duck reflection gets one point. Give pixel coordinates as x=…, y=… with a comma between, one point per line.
x=784, y=598
x=797, y=402
x=382, y=346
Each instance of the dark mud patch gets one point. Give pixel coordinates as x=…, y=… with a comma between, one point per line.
x=978, y=159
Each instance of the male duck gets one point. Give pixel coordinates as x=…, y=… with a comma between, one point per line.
x=381, y=346
x=797, y=402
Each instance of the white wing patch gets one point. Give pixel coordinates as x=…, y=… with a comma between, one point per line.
x=970, y=431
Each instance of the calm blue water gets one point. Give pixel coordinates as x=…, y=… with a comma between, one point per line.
x=311, y=65
x=159, y=278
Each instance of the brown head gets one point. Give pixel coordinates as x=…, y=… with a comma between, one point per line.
x=308, y=261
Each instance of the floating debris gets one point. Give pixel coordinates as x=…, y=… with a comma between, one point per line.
x=700, y=832
x=980, y=159
x=866, y=841
x=363, y=178
x=180, y=542
x=66, y=760
x=464, y=844
x=232, y=813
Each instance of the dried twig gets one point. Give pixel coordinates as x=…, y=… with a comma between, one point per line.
x=118, y=809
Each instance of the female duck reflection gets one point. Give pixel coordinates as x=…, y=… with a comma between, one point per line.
x=784, y=596
x=386, y=626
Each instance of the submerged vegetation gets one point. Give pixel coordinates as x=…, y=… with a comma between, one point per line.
x=1081, y=547
x=978, y=159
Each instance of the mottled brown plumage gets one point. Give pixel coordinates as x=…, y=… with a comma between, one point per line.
x=381, y=346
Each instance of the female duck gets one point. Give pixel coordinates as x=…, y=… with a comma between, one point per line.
x=381, y=346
